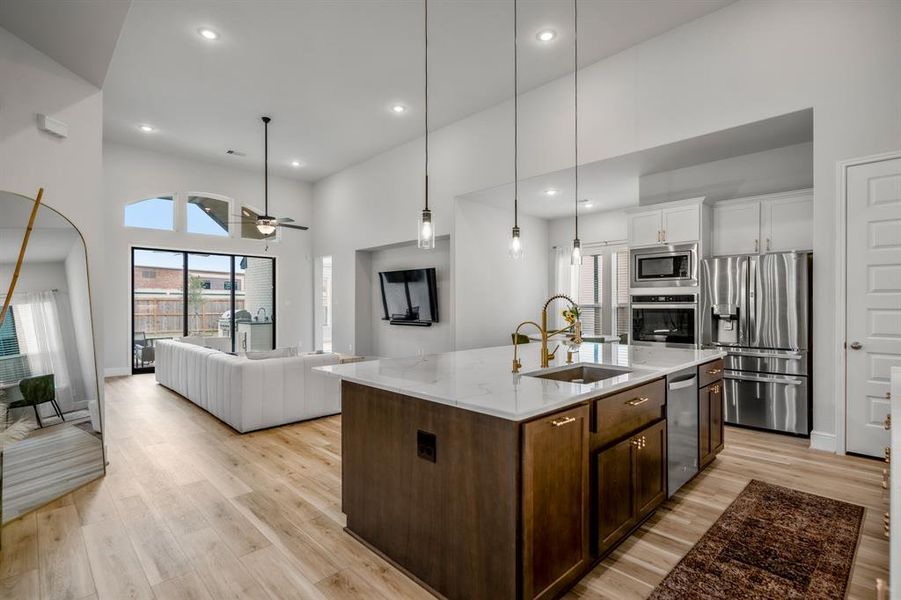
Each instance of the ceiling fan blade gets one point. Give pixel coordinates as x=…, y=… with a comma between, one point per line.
x=301, y=227
x=285, y=220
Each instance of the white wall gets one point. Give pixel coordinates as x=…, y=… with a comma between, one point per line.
x=608, y=226
x=132, y=174
x=399, y=340
x=69, y=169
x=494, y=292
x=749, y=61
x=777, y=170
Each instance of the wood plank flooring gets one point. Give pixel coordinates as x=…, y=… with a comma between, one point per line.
x=189, y=509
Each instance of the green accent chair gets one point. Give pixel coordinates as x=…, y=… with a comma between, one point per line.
x=35, y=391
x=519, y=338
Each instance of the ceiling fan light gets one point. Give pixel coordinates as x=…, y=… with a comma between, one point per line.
x=266, y=225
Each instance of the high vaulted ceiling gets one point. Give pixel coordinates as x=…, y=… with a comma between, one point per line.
x=327, y=72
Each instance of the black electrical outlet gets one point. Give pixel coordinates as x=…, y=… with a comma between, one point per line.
x=426, y=446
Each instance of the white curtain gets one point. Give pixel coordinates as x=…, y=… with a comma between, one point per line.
x=566, y=280
x=41, y=340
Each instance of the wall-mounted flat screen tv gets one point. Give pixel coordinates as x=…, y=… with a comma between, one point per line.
x=410, y=297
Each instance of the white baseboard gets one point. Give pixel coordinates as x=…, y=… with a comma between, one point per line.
x=116, y=372
x=822, y=441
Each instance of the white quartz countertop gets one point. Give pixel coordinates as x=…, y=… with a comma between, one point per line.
x=480, y=380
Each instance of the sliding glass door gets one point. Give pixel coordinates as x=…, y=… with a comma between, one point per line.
x=219, y=301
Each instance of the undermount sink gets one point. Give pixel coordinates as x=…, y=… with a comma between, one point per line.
x=581, y=373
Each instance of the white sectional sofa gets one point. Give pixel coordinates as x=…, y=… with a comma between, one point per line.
x=245, y=393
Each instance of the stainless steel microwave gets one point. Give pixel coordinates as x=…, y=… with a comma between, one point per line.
x=665, y=266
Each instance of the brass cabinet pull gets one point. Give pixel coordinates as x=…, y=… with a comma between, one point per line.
x=768, y=244
x=756, y=245
x=885, y=478
x=886, y=524
x=887, y=423
x=888, y=454
x=714, y=371
x=640, y=442
x=562, y=421
x=637, y=401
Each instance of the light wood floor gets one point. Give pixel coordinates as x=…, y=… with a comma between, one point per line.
x=190, y=509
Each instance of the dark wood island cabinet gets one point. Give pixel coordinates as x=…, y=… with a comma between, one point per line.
x=476, y=506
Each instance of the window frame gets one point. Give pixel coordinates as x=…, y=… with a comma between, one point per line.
x=185, y=200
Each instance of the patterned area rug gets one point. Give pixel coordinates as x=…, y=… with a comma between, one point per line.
x=772, y=542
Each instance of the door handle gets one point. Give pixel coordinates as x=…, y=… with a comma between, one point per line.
x=855, y=345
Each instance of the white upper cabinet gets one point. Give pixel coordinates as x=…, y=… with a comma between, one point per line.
x=787, y=223
x=644, y=228
x=775, y=223
x=736, y=228
x=672, y=223
x=681, y=224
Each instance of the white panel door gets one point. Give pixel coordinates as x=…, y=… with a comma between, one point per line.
x=873, y=300
x=787, y=223
x=681, y=224
x=736, y=228
x=644, y=229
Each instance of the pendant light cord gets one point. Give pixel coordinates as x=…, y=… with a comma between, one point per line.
x=515, y=119
x=576, y=102
x=426, y=104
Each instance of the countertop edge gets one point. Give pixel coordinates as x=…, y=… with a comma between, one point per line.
x=646, y=376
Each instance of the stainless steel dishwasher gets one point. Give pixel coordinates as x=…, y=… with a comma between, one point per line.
x=681, y=428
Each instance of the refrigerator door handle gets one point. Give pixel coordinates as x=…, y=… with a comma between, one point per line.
x=735, y=375
x=752, y=353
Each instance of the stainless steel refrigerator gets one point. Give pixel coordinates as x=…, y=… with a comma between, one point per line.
x=758, y=308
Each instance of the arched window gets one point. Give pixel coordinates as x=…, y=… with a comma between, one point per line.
x=151, y=213
x=208, y=215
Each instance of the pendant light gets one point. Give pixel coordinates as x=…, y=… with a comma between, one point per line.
x=576, y=257
x=426, y=226
x=515, y=239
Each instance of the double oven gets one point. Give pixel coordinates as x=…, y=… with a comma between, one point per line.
x=664, y=294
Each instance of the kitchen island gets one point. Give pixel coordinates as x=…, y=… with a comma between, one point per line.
x=482, y=483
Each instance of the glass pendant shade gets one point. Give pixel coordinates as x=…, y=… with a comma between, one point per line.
x=426, y=230
x=576, y=257
x=515, y=244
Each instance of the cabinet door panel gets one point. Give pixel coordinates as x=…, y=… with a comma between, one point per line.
x=681, y=224
x=555, y=501
x=788, y=224
x=644, y=229
x=650, y=469
x=716, y=418
x=703, y=426
x=615, y=502
x=736, y=228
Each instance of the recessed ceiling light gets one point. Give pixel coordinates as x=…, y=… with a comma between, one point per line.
x=296, y=163
x=147, y=128
x=208, y=34
x=550, y=192
x=398, y=109
x=546, y=35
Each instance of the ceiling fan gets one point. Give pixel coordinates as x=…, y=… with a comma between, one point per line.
x=265, y=223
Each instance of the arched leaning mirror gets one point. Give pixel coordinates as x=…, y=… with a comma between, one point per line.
x=49, y=393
